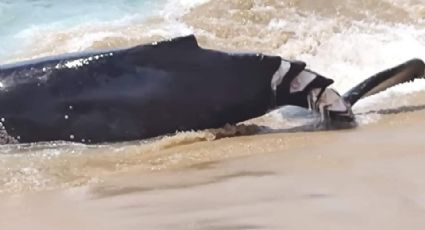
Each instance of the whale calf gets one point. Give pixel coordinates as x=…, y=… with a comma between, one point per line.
x=163, y=87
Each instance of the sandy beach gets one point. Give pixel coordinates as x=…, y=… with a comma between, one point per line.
x=366, y=178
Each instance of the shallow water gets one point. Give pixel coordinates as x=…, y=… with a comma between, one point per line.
x=369, y=178
x=22, y=19
x=346, y=40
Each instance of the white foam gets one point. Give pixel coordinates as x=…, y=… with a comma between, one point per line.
x=350, y=54
x=174, y=9
x=364, y=49
x=361, y=50
x=83, y=36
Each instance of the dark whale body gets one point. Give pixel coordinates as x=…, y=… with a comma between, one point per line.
x=134, y=93
x=160, y=88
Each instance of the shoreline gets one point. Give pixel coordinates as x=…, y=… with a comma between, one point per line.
x=365, y=178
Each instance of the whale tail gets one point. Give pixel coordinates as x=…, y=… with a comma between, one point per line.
x=405, y=72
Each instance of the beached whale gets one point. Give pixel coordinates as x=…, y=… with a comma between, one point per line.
x=160, y=88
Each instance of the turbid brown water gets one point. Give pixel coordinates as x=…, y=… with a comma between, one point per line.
x=367, y=178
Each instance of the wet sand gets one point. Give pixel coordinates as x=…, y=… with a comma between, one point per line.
x=366, y=178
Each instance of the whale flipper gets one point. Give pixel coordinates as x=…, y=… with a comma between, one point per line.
x=405, y=72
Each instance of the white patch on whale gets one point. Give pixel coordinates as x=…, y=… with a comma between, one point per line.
x=280, y=74
x=333, y=101
x=302, y=81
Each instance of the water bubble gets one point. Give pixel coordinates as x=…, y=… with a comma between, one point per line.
x=66, y=117
x=72, y=137
x=71, y=107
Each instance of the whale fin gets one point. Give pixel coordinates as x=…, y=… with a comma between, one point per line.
x=405, y=72
x=188, y=41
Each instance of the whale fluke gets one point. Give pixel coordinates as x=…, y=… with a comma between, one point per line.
x=405, y=72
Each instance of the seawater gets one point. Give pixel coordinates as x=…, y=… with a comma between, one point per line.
x=342, y=39
x=22, y=19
